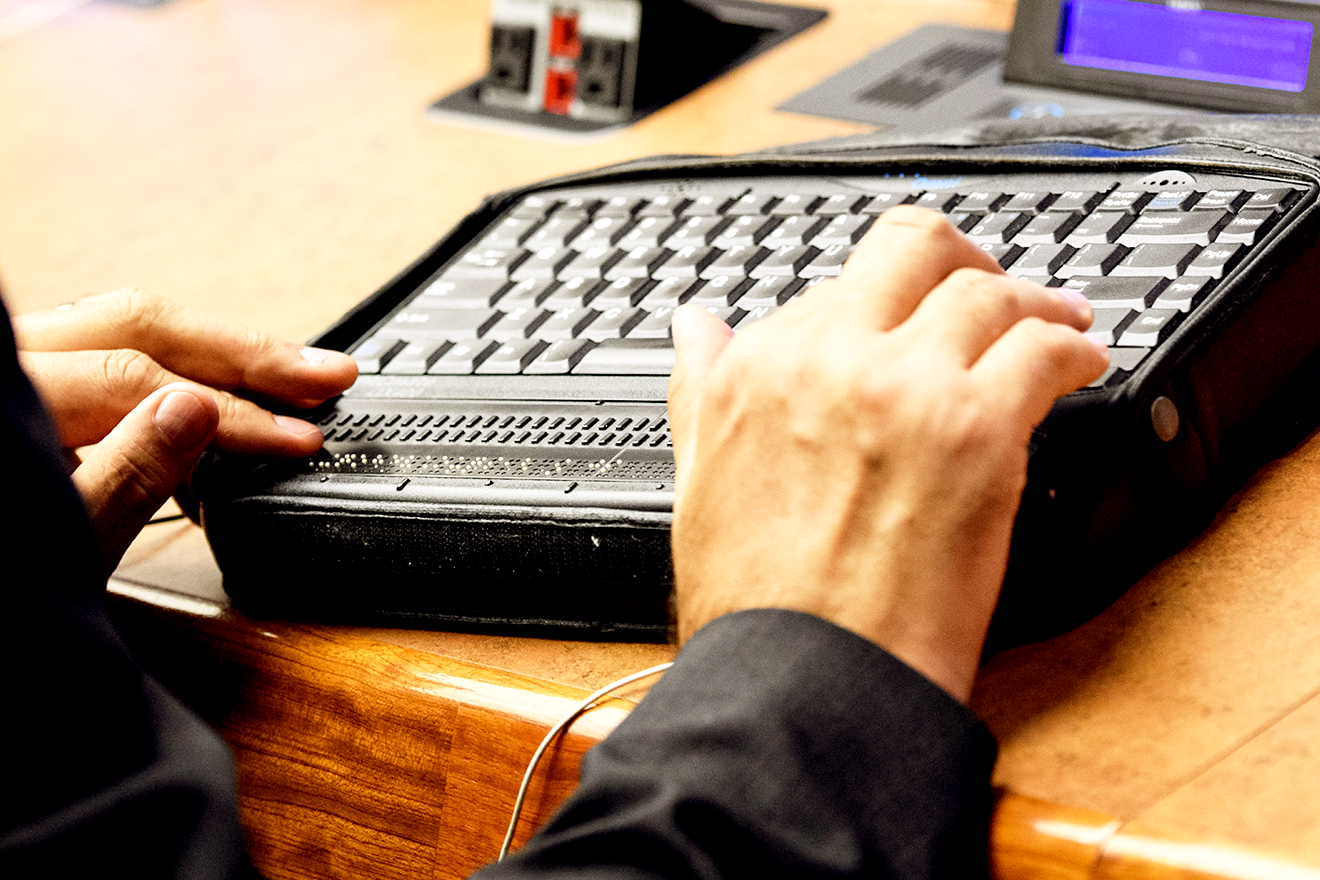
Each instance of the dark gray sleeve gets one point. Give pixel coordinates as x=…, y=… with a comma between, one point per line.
x=778, y=745
x=106, y=773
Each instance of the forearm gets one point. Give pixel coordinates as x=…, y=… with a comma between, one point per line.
x=778, y=745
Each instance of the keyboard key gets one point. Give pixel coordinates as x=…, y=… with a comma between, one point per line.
x=1247, y=227
x=484, y=263
x=998, y=228
x=639, y=262
x=460, y=294
x=577, y=206
x=1041, y=260
x=1108, y=324
x=984, y=202
x=612, y=324
x=1050, y=227
x=1216, y=260
x=567, y=323
x=882, y=202
x=1121, y=362
x=944, y=202
x=843, y=229
x=622, y=292
x=619, y=206
x=1077, y=201
x=753, y=315
x=705, y=206
x=554, y=233
x=784, y=262
x=738, y=260
x=1183, y=294
x=647, y=232
x=827, y=262
x=1131, y=201
x=1273, y=199
x=512, y=357
x=573, y=292
x=1092, y=260
x=1173, y=200
x=1168, y=260
x=686, y=263
x=730, y=315
x=663, y=206
x=668, y=293
x=416, y=324
x=525, y=293
x=415, y=358
x=590, y=263
x=1117, y=293
x=1150, y=328
x=749, y=204
x=745, y=231
x=519, y=323
x=628, y=357
x=509, y=233
x=1029, y=201
x=695, y=232
x=1174, y=227
x=1102, y=227
x=655, y=325
x=560, y=357
x=376, y=352
x=793, y=204
x=544, y=263
x=462, y=357
x=1004, y=253
x=1221, y=200
x=722, y=290
x=837, y=204
x=601, y=232
x=769, y=291
x=795, y=231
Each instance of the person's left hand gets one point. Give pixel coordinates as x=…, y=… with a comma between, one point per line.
x=152, y=385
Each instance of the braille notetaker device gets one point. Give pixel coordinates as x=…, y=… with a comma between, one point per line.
x=584, y=66
x=504, y=460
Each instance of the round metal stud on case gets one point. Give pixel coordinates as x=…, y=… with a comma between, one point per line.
x=1164, y=418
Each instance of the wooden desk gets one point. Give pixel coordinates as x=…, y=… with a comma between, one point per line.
x=271, y=162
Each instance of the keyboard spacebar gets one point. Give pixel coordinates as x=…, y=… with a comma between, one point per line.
x=628, y=357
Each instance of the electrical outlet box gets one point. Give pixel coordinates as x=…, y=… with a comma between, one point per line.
x=587, y=65
x=580, y=61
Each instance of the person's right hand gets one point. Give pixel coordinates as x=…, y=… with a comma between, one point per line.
x=861, y=455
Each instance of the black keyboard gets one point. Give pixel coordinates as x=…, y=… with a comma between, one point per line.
x=504, y=459
x=583, y=281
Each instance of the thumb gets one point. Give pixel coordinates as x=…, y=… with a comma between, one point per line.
x=699, y=338
x=126, y=477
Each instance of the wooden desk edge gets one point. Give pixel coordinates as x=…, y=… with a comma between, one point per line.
x=348, y=747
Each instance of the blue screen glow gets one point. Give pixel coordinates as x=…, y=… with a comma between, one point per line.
x=1199, y=44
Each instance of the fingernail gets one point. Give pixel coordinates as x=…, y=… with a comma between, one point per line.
x=298, y=427
x=316, y=356
x=1099, y=344
x=1077, y=300
x=184, y=420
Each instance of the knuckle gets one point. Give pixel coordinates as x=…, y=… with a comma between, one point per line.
x=132, y=371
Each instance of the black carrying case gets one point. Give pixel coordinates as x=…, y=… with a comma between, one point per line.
x=1106, y=497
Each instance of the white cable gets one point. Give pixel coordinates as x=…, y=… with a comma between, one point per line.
x=554, y=732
